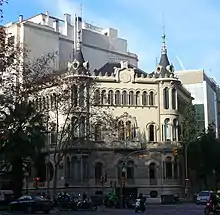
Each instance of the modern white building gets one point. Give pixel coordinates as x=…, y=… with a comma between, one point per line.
x=204, y=91
x=43, y=34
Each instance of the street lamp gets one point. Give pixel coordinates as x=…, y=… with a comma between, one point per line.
x=26, y=174
x=186, y=163
x=123, y=173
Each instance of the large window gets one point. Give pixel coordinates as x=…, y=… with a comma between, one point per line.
x=169, y=168
x=131, y=98
x=174, y=96
x=117, y=97
x=110, y=97
x=166, y=98
x=175, y=130
x=151, y=98
x=98, y=134
x=103, y=97
x=144, y=98
x=151, y=133
x=138, y=98
x=167, y=130
x=98, y=171
x=124, y=98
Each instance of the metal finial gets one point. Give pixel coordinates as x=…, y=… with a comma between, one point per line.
x=78, y=44
x=164, y=48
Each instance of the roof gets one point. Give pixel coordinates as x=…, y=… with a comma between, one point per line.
x=108, y=69
x=164, y=62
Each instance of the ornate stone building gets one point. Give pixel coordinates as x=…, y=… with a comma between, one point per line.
x=149, y=109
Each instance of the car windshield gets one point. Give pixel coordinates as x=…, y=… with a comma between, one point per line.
x=25, y=198
x=204, y=193
x=37, y=198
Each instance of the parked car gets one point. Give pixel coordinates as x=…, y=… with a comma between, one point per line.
x=203, y=197
x=30, y=204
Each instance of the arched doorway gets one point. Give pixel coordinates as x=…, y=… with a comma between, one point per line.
x=152, y=174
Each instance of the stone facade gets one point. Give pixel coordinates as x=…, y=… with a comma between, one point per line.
x=149, y=108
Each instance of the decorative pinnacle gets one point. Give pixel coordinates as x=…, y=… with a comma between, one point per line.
x=164, y=48
x=79, y=42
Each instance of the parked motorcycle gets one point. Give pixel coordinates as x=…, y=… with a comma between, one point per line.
x=86, y=205
x=211, y=209
x=139, y=206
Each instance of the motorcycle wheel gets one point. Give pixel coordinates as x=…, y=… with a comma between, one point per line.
x=207, y=211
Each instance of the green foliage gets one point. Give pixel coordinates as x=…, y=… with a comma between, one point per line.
x=189, y=125
x=203, y=154
x=1, y=4
x=23, y=132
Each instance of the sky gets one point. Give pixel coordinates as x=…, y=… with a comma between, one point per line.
x=192, y=27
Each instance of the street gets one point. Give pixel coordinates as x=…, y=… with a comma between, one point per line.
x=182, y=209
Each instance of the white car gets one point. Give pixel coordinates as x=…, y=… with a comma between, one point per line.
x=203, y=197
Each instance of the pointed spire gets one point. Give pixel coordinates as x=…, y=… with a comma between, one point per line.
x=164, y=48
x=164, y=59
x=78, y=54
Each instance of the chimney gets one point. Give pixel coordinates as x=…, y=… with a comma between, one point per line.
x=21, y=18
x=67, y=18
x=56, y=25
x=47, y=18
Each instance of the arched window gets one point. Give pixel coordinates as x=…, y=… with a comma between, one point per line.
x=117, y=97
x=98, y=171
x=152, y=171
x=44, y=103
x=81, y=95
x=174, y=99
x=175, y=174
x=128, y=130
x=98, y=132
x=85, y=167
x=138, y=98
x=134, y=134
x=168, y=166
x=179, y=132
x=82, y=126
x=119, y=168
x=75, y=126
x=167, y=130
x=121, y=130
x=151, y=133
x=130, y=169
x=74, y=95
x=166, y=98
x=110, y=97
x=103, y=97
x=131, y=98
x=76, y=170
x=124, y=98
x=144, y=98
x=151, y=98
x=97, y=97
x=175, y=130
x=67, y=168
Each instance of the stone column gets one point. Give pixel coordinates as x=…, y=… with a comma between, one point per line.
x=176, y=100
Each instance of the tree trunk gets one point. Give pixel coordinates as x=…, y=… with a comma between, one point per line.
x=55, y=180
x=17, y=177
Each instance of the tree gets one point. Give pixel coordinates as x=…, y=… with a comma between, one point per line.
x=189, y=124
x=1, y=4
x=22, y=126
x=69, y=103
x=66, y=98
x=23, y=131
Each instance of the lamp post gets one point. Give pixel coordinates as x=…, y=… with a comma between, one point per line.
x=123, y=174
x=186, y=164
x=26, y=174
